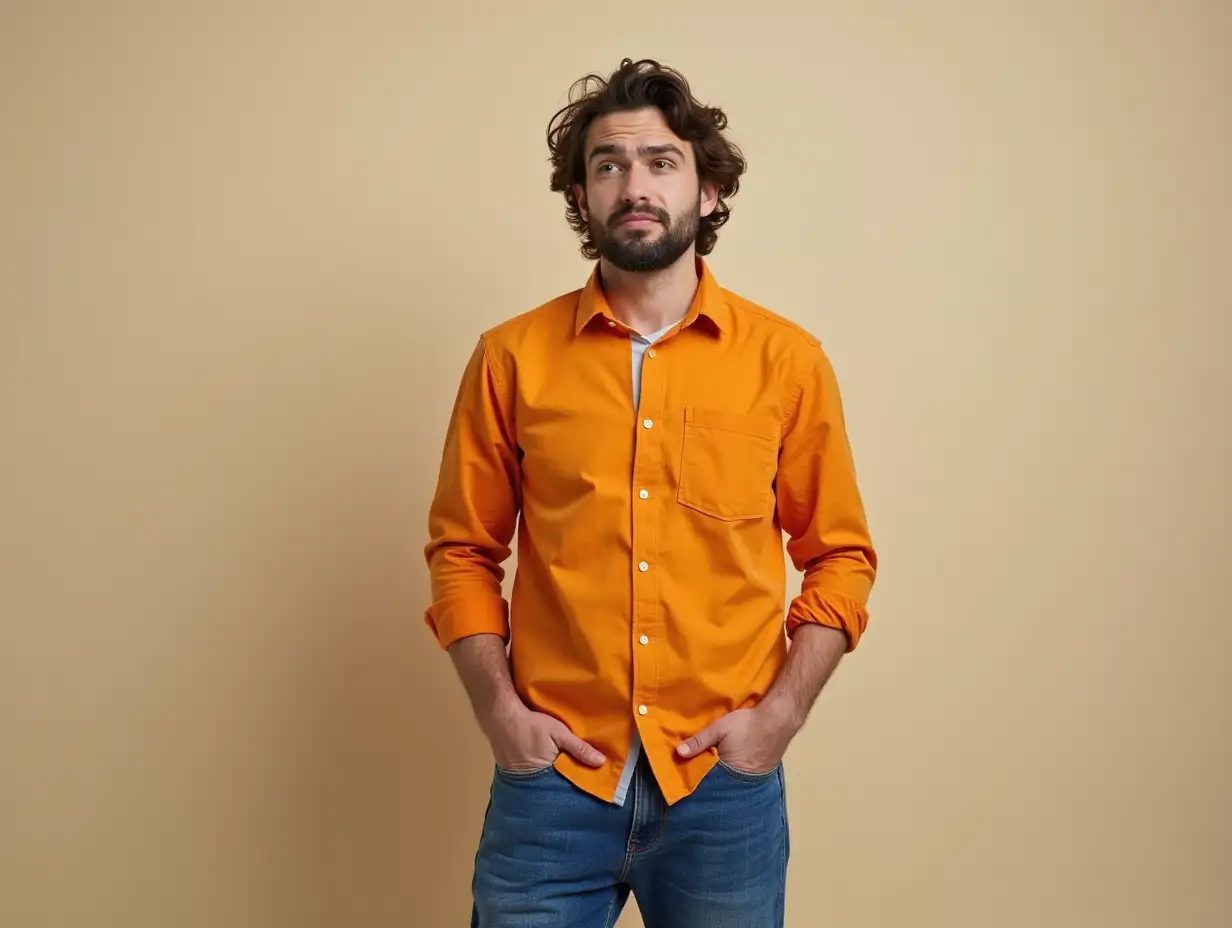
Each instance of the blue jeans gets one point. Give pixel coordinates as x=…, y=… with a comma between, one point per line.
x=553, y=856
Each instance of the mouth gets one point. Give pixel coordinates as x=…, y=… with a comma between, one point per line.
x=638, y=220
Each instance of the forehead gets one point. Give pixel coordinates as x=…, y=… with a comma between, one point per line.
x=633, y=128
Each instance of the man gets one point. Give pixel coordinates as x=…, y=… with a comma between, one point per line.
x=656, y=435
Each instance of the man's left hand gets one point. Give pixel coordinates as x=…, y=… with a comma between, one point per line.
x=750, y=740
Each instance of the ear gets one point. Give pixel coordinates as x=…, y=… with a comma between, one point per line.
x=579, y=194
x=709, y=197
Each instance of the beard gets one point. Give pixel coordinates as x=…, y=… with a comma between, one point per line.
x=638, y=250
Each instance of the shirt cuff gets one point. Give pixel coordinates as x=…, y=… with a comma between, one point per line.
x=468, y=614
x=834, y=610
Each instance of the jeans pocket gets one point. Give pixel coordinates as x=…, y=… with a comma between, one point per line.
x=747, y=776
x=521, y=776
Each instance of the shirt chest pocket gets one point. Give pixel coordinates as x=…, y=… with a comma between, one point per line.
x=728, y=464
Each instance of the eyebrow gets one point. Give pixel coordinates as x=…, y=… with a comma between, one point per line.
x=611, y=148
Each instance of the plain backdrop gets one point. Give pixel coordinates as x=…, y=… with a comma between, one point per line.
x=246, y=249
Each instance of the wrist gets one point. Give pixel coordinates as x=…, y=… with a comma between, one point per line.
x=781, y=714
x=498, y=713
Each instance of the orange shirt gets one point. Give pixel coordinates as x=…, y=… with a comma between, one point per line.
x=649, y=593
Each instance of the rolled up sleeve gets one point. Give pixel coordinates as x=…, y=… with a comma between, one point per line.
x=474, y=510
x=821, y=508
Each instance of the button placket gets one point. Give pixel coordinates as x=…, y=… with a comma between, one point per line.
x=645, y=477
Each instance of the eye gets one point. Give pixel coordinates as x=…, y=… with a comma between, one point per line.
x=664, y=164
x=603, y=168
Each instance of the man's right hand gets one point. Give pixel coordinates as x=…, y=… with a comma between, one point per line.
x=520, y=739
x=524, y=740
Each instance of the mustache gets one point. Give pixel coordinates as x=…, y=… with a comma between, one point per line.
x=660, y=214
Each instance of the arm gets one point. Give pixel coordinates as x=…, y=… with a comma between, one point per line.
x=520, y=739
x=471, y=523
x=483, y=667
x=475, y=508
x=756, y=739
x=814, y=654
x=821, y=511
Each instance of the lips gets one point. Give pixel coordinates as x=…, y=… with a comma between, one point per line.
x=638, y=217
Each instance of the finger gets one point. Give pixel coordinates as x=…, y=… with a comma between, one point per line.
x=571, y=744
x=705, y=739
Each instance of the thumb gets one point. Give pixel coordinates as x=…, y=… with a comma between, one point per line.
x=571, y=744
x=705, y=739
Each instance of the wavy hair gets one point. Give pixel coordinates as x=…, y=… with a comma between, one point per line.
x=635, y=85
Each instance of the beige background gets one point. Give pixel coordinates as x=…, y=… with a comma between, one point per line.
x=245, y=254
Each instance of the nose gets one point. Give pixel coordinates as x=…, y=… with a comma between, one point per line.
x=637, y=184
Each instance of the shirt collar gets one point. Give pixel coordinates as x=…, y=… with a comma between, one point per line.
x=708, y=302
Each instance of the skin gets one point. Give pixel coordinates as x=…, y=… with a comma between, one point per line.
x=756, y=739
x=634, y=162
x=521, y=738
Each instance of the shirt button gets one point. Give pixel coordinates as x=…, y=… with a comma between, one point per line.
x=651, y=353
x=642, y=710
x=647, y=423
x=611, y=324
x=643, y=640
x=643, y=567
x=644, y=494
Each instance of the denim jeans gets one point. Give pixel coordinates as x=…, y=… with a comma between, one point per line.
x=553, y=856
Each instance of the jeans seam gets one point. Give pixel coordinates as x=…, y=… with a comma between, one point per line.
x=635, y=850
x=647, y=848
x=782, y=890
x=629, y=853
x=607, y=919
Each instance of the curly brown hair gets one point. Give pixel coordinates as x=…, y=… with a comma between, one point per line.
x=634, y=85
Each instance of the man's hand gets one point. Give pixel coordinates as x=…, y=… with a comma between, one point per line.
x=525, y=740
x=750, y=740
x=520, y=739
x=755, y=740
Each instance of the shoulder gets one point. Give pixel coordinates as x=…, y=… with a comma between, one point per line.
x=771, y=324
x=551, y=320
x=796, y=353
x=785, y=338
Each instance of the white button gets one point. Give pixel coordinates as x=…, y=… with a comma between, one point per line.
x=647, y=423
x=643, y=640
x=643, y=567
x=644, y=494
x=651, y=352
x=611, y=324
x=642, y=710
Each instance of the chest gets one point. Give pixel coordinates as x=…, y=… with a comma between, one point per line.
x=701, y=414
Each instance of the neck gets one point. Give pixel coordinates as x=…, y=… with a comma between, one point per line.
x=649, y=301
